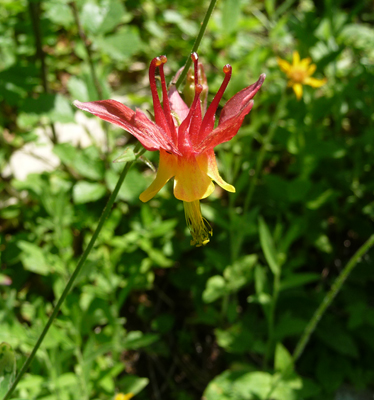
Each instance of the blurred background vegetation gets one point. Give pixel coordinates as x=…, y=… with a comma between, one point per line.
x=150, y=314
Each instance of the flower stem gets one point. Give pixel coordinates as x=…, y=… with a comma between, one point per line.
x=273, y=304
x=76, y=272
x=335, y=288
x=264, y=148
x=87, y=44
x=35, y=10
x=197, y=42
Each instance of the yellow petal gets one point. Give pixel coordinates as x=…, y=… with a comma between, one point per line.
x=284, y=65
x=121, y=396
x=304, y=63
x=316, y=83
x=207, y=162
x=312, y=69
x=298, y=89
x=166, y=170
x=190, y=182
x=295, y=58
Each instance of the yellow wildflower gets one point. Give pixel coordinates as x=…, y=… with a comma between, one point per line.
x=299, y=73
x=121, y=396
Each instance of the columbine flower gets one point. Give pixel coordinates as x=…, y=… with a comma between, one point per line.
x=299, y=73
x=185, y=138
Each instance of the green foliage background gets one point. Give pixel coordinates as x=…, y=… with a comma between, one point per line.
x=150, y=314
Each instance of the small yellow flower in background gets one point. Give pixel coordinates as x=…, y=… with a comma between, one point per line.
x=299, y=73
x=121, y=396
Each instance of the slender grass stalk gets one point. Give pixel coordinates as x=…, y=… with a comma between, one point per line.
x=35, y=10
x=95, y=79
x=87, y=45
x=237, y=236
x=76, y=272
x=273, y=305
x=335, y=288
x=264, y=148
x=197, y=42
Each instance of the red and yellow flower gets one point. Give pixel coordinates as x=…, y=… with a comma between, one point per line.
x=185, y=137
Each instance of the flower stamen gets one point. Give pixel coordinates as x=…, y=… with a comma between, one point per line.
x=199, y=227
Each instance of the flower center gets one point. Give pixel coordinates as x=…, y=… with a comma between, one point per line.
x=199, y=227
x=298, y=75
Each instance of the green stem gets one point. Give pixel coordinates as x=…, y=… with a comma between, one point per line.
x=270, y=343
x=76, y=272
x=87, y=44
x=35, y=10
x=237, y=239
x=335, y=288
x=197, y=42
x=264, y=148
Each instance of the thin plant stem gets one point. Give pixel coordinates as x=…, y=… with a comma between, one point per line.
x=76, y=272
x=335, y=288
x=273, y=304
x=87, y=45
x=95, y=79
x=264, y=148
x=197, y=42
x=237, y=239
x=34, y=9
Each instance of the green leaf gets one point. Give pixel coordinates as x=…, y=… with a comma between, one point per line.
x=33, y=258
x=121, y=45
x=295, y=280
x=136, y=340
x=78, y=89
x=132, y=384
x=230, y=15
x=283, y=361
x=85, y=192
x=133, y=185
x=268, y=247
x=114, y=11
x=241, y=272
x=53, y=106
x=7, y=368
x=86, y=162
x=215, y=288
x=59, y=13
x=92, y=16
x=126, y=156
